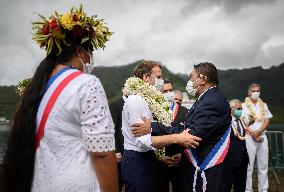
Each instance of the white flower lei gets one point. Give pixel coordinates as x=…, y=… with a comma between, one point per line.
x=157, y=103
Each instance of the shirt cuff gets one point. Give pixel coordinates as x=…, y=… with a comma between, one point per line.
x=145, y=142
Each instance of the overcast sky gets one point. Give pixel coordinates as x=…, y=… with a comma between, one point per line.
x=179, y=33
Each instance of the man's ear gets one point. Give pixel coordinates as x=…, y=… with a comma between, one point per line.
x=145, y=77
x=249, y=94
x=204, y=79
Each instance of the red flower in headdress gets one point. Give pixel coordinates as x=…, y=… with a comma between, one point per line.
x=75, y=17
x=45, y=29
x=53, y=24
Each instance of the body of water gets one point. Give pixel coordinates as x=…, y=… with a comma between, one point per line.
x=3, y=140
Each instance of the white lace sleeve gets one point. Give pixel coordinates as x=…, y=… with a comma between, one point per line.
x=96, y=122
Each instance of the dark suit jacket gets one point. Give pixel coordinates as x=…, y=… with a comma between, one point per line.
x=208, y=118
x=116, y=108
x=237, y=151
x=181, y=114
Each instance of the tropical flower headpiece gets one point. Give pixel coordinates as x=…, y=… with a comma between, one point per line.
x=52, y=31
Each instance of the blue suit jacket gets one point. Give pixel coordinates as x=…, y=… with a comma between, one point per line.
x=208, y=118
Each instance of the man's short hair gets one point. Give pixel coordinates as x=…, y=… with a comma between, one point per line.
x=178, y=92
x=253, y=85
x=209, y=70
x=166, y=81
x=145, y=68
x=233, y=102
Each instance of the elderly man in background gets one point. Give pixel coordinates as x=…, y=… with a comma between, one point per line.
x=178, y=97
x=238, y=156
x=256, y=142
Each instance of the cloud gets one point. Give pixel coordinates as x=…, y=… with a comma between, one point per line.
x=229, y=33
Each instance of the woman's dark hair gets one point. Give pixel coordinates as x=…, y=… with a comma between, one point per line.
x=209, y=70
x=20, y=156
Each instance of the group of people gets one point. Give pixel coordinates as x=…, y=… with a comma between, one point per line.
x=62, y=136
x=247, y=122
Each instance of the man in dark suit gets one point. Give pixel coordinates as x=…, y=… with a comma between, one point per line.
x=169, y=169
x=237, y=156
x=116, y=108
x=208, y=118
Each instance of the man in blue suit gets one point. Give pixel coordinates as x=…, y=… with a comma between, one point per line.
x=208, y=118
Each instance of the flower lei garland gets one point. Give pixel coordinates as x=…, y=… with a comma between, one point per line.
x=237, y=134
x=157, y=103
x=52, y=31
x=261, y=105
x=22, y=85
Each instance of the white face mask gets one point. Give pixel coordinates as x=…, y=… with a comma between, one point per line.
x=189, y=87
x=169, y=96
x=88, y=67
x=159, y=83
x=255, y=95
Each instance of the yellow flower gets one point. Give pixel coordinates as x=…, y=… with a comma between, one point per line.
x=67, y=21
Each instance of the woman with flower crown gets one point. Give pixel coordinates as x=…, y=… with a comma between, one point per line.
x=62, y=136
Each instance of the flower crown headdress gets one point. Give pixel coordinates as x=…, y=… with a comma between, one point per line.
x=52, y=31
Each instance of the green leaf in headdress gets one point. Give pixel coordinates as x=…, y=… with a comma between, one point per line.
x=57, y=41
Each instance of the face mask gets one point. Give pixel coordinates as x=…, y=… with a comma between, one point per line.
x=88, y=67
x=189, y=87
x=159, y=83
x=255, y=95
x=169, y=96
x=238, y=113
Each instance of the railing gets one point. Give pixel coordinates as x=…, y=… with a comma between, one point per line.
x=276, y=149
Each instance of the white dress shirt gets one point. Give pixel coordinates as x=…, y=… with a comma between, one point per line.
x=134, y=109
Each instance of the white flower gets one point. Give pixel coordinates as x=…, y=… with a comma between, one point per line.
x=157, y=103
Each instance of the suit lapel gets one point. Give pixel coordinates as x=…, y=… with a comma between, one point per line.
x=194, y=106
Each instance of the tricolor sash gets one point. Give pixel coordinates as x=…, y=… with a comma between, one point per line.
x=215, y=157
x=54, y=88
x=174, y=108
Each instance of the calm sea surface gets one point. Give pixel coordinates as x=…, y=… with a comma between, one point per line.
x=3, y=141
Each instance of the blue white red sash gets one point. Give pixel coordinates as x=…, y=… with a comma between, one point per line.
x=174, y=108
x=53, y=90
x=215, y=157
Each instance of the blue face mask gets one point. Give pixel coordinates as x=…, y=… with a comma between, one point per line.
x=238, y=113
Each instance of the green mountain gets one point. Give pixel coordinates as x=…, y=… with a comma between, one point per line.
x=113, y=78
x=233, y=83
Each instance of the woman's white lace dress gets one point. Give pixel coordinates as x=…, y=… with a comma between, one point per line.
x=79, y=123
